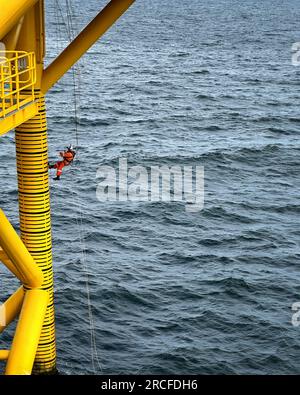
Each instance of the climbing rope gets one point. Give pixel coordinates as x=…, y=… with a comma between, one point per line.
x=75, y=70
x=71, y=31
x=76, y=80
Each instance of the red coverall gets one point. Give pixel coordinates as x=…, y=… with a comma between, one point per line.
x=68, y=157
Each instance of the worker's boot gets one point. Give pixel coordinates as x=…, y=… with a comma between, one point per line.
x=56, y=178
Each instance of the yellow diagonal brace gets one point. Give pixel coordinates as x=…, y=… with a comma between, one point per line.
x=102, y=22
x=11, y=39
x=11, y=308
x=11, y=12
x=18, y=254
x=26, y=339
x=10, y=266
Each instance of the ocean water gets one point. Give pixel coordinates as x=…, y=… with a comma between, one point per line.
x=188, y=82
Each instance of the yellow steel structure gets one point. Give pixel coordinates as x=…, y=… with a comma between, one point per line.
x=23, y=350
x=4, y=355
x=35, y=221
x=23, y=83
x=10, y=266
x=11, y=308
x=11, y=12
x=32, y=302
x=11, y=39
x=18, y=254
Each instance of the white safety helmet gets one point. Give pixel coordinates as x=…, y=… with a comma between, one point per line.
x=71, y=148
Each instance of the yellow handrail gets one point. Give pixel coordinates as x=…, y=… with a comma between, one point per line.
x=17, y=80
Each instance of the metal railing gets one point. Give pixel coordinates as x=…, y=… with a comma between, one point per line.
x=17, y=80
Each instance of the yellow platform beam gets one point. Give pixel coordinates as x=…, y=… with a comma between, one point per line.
x=102, y=22
x=17, y=118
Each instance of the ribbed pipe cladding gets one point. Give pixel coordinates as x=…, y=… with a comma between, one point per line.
x=35, y=219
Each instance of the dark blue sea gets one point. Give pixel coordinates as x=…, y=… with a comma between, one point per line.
x=147, y=288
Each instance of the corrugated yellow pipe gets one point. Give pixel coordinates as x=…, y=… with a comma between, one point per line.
x=35, y=222
x=23, y=350
x=18, y=254
x=11, y=308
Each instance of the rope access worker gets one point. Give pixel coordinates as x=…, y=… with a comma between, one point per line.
x=68, y=156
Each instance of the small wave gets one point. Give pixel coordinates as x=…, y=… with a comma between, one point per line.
x=278, y=131
x=294, y=120
x=213, y=128
x=205, y=97
x=265, y=149
x=220, y=212
x=266, y=119
x=199, y=72
x=284, y=209
x=179, y=55
x=110, y=145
